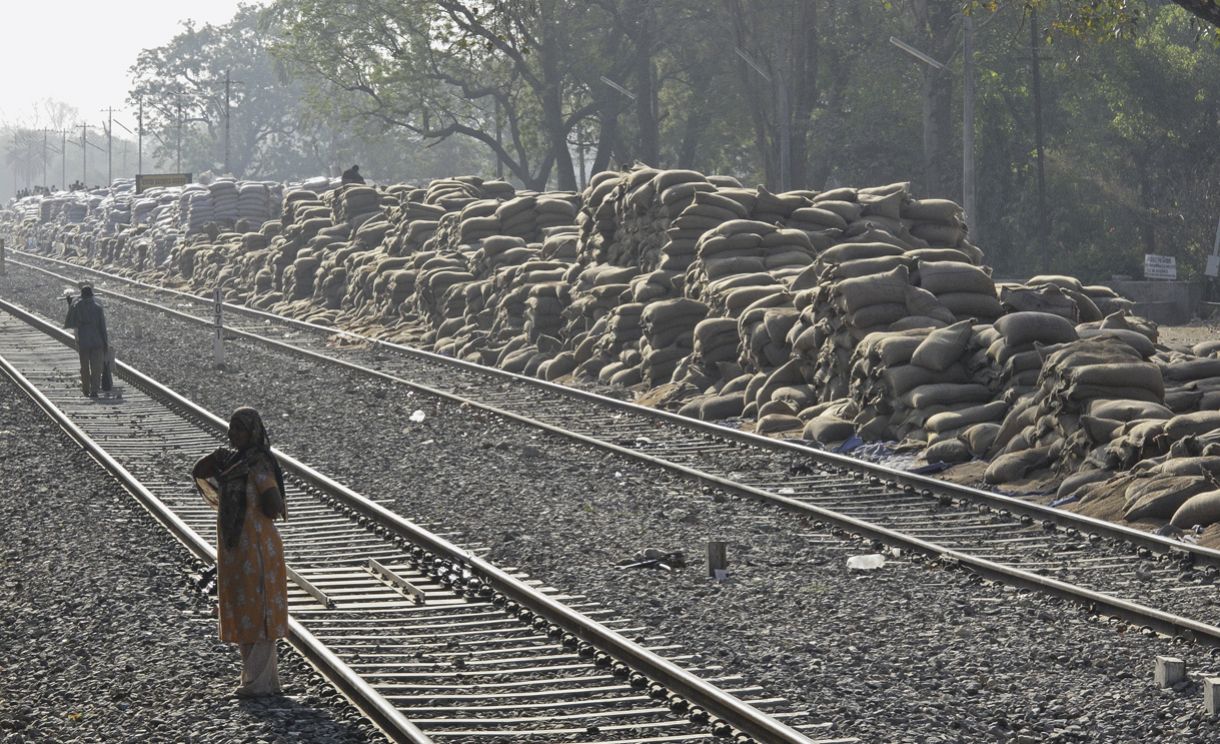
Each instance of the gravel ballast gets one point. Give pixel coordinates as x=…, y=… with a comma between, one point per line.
x=102, y=639
x=902, y=654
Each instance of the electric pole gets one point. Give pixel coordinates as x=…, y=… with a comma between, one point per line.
x=63, y=158
x=228, y=85
x=968, y=192
x=140, y=138
x=109, y=145
x=499, y=160
x=785, y=132
x=178, y=157
x=1043, y=227
x=782, y=123
x=44, y=158
x=84, y=156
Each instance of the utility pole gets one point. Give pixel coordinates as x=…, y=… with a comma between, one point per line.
x=499, y=160
x=785, y=133
x=84, y=156
x=968, y=192
x=44, y=157
x=140, y=138
x=178, y=157
x=109, y=146
x=1043, y=225
x=782, y=124
x=228, y=84
x=63, y=158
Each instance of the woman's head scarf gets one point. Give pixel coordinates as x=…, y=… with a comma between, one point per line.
x=221, y=477
x=258, y=447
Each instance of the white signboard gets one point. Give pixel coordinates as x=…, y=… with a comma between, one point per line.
x=1160, y=267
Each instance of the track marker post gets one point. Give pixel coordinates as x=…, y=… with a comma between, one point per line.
x=218, y=349
x=1211, y=695
x=1170, y=670
x=718, y=559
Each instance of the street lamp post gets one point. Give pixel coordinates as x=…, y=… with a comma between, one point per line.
x=782, y=123
x=968, y=192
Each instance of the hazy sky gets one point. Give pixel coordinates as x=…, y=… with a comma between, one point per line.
x=79, y=51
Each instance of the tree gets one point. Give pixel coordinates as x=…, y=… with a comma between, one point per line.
x=1106, y=17
x=252, y=123
x=449, y=68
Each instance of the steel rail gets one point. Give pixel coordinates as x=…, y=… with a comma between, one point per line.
x=697, y=692
x=375, y=707
x=881, y=474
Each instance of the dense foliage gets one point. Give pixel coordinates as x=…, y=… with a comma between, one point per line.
x=1130, y=102
x=547, y=92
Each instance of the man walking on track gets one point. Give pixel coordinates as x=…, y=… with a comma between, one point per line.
x=87, y=317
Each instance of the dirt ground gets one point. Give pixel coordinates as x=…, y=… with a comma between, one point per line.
x=1191, y=333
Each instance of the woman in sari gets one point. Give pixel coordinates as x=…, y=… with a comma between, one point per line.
x=246, y=487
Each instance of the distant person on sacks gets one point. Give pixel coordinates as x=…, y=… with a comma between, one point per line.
x=352, y=175
x=245, y=485
x=88, y=319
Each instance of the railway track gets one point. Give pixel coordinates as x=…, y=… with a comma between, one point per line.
x=1154, y=582
x=430, y=641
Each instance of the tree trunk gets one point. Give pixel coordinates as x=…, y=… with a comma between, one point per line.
x=646, y=91
x=606, y=136
x=934, y=31
x=937, y=133
x=552, y=112
x=752, y=83
x=805, y=86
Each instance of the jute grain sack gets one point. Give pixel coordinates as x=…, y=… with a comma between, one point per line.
x=1134, y=339
x=943, y=347
x=904, y=378
x=1016, y=465
x=979, y=438
x=827, y=429
x=943, y=277
x=856, y=251
x=895, y=348
x=987, y=413
x=951, y=451
x=860, y=292
x=1189, y=424
x=1206, y=348
x=1027, y=327
x=1202, y=509
x=1128, y=410
x=1059, y=280
x=978, y=305
x=1122, y=374
x=777, y=422
x=1075, y=484
x=945, y=393
x=1195, y=369
x=1160, y=498
x=1099, y=430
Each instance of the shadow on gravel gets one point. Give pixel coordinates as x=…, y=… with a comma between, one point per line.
x=284, y=714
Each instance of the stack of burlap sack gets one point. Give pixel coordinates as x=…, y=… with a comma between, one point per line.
x=1077, y=377
x=667, y=336
x=736, y=259
x=195, y=208
x=595, y=293
x=915, y=385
